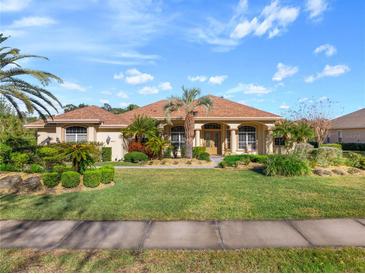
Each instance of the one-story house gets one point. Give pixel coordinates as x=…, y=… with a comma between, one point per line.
x=227, y=128
x=349, y=128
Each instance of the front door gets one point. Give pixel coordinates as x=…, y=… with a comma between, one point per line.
x=212, y=141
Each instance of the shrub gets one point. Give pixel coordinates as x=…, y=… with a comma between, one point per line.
x=256, y=158
x=135, y=157
x=197, y=151
x=204, y=156
x=327, y=156
x=106, y=154
x=7, y=167
x=232, y=160
x=167, y=152
x=136, y=146
x=70, y=179
x=107, y=174
x=51, y=179
x=303, y=150
x=355, y=160
x=19, y=159
x=35, y=168
x=61, y=168
x=338, y=146
x=92, y=178
x=286, y=165
x=50, y=156
x=354, y=146
x=5, y=152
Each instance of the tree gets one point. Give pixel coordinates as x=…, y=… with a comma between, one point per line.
x=107, y=107
x=189, y=102
x=71, y=107
x=302, y=131
x=156, y=144
x=317, y=114
x=284, y=129
x=141, y=127
x=14, y=89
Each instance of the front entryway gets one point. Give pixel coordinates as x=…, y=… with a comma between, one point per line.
x=212, y=142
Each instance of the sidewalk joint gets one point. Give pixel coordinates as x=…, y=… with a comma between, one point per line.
x=145, y=235
x=219, y=234
x=300, y=233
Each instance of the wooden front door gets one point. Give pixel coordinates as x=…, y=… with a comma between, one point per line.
x=212, y=142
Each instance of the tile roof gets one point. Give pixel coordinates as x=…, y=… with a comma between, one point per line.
x=87, y=114
x=354, y=119
x=222, y=108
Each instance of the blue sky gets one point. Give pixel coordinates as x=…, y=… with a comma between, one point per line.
x=267, y=54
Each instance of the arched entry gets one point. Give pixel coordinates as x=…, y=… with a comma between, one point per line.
x=212, y=138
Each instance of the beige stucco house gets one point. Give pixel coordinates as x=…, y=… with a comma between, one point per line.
x=349, y=128
x=228, y=127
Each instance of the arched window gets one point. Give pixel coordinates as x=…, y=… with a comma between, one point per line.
x=247, y=138
x=212, y=126
x=178, y=136
x=76, y=134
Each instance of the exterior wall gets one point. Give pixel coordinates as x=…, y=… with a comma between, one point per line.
x=348, y=135
x=117, y=142
x=44, y=133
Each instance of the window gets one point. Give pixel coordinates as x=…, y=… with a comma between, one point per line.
x=76, y=134
x=178, y=137
x=228, y=138
x=339, y=136
x=247, y=138
x=279, y=141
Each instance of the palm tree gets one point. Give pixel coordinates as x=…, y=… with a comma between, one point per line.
x=284, y=129
x=142, y=126
x=189, y=102
x=302, y=132
x=15, y=90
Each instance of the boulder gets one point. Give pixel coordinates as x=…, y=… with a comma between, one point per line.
x=338, y=171
x=322, y=172
x=31, y=184
x=10, y=183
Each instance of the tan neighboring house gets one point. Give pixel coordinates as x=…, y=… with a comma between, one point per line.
x=228, y=127
x=349, y=128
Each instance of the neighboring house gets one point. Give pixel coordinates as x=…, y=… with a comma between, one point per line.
x=228, y=127
x=349, y=128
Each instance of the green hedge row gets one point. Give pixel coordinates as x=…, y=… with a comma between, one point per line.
x=106, y=154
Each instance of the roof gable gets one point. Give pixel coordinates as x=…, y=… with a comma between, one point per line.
x=354, y=119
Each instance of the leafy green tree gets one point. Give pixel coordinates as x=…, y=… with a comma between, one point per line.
x=156, y=144
x=284, y=129
x=302, y=132
x=141, y=127
x=14, y=88
x=188, y=102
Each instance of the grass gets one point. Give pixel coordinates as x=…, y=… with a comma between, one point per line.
x=254, y=260
x=121, y=163
x=197, y=194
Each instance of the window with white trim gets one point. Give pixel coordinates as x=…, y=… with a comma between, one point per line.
x=247, y=138
x=178, y=136
x=76, y=134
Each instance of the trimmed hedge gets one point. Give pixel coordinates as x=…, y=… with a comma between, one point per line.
x=235, y=160
x=135, y=157
x=107, y=174
x=106, y=154
x=354, y=146
x=204, y=156
x=335, y=145
x=51, y=179
x=70, y=179
x=197, y=151
x=35, y=168
x=92, y=178
x=61, y=168
x=327, y=156
x=286, y=165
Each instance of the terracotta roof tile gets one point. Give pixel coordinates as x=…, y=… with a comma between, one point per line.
x=222, y=108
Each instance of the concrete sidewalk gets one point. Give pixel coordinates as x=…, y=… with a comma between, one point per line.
x=182, y=234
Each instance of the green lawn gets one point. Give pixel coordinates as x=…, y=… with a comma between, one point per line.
x=254, y=260
x=121, y=163
x=200, y=194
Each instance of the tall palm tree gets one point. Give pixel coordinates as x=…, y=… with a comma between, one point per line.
x=15, y=90
x=189, y=102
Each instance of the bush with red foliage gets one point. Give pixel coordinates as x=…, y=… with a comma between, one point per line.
x=136, y=146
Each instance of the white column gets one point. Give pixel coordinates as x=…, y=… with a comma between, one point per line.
x=233, y=141
x=91, y=134
x=269, y=140
x=58, y=135
x=197, y=137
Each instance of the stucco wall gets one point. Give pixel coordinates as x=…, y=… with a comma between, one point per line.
x=116, y=142
x=348, y=135
x=44, y=133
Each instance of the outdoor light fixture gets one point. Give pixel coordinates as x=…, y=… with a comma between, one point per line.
x=108, y=140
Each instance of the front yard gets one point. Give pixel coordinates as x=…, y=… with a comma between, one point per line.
x=198, y=194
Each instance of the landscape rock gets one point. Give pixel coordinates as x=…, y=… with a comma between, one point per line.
x=32, y=184
x=322, y=172
x=339, y=172
x=10, y=183
x=354, y=170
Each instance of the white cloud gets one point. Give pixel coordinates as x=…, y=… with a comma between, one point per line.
x=165, y=86
x=284, y=71
x=104, y=101
x=73, y=86
x=13, y=5
x=323, y=98
x=137, y=55
x=284, y=106
x=33, y=21
x=249, y=89
x=328, y=49
x=118, y=76
x=122, y=94
x=198, y=78
x=217, y=80
x=316, y=8
x=135, y=77
x=328, y=71
x=147, y=90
